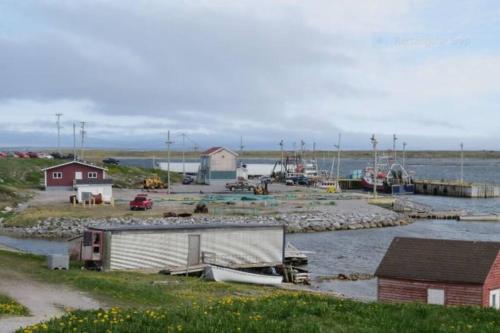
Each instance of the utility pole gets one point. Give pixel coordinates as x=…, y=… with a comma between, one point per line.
x=74, y=142
x=282, y=157
x=82, y=139
x=394, y=139
x=183, y=155
x=338, y=156
x=404, y=155
x=302, y=145
x=168, y=161
x=461, y=163
x=241, y=146
x=58, y=115
x=375, y=171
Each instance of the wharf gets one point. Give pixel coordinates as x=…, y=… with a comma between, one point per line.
x=435, y=215
x=456, y=189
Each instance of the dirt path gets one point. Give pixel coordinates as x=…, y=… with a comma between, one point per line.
x=44, y=301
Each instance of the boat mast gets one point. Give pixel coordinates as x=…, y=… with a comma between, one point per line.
x=375, y=171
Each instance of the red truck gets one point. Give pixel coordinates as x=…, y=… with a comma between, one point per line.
x=141, y=202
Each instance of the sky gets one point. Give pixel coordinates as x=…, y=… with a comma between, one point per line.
x=265, y=70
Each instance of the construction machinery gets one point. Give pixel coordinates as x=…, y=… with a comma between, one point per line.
x=153, y=183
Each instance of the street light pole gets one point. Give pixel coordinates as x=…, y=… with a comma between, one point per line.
x=338, y=156
x=461, y=163
x=168, y=161
x=58, y=115
x=375, y=171
x=394, y=139
x=404, y=155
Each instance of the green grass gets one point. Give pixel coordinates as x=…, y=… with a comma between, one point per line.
x=279, y=312
x=157, y=303
x=11, y=308
x=133, y=177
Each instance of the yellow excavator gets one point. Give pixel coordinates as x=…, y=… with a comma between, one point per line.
x=154, y=183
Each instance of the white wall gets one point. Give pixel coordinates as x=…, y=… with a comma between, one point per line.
x=164, y=248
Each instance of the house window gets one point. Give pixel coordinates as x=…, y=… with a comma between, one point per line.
x=92, y=175
x=435, y=296
x=57, y=175
x=495, y=299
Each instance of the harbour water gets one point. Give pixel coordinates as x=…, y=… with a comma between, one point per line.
x=360, y=251
x=475, y=170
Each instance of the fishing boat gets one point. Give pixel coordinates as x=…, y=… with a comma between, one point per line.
x=223, y=274
x=391, y=177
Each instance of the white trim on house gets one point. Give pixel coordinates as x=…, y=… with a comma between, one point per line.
x=77, y=162
x=92, y=175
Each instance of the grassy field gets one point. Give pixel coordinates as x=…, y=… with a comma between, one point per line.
x=99, y=155
x=18, y=176
x=156, y=303
x=10, y=307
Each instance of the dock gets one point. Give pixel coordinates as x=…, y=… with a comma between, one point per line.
x=456, y=189
x=436, y=215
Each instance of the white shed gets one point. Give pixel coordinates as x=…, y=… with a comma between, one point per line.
x=86, y=188
x=129, y=247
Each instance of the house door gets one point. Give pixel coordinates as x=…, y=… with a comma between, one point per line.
x=194, y=250
x=78, y=175
x=435, y=296
x=495, y=299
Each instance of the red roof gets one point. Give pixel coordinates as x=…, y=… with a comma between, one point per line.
x=216, y=149
x=211, y=150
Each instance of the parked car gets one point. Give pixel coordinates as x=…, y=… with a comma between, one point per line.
x=22, y=154
x=141, y=202
x=33, y=154
x=187, y=180
x=110, y=160
x=3, y=154
x=45, y=156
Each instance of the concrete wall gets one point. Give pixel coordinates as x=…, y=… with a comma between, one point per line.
x=457, y=190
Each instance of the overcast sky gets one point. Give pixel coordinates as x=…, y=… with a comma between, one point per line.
x=266, y=70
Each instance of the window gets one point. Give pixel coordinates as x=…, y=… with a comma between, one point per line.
x=495, y=299
x=92, y=175
x=435, y=296
x=57, y=175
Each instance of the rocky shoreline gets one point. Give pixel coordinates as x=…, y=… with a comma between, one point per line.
x=64, y=228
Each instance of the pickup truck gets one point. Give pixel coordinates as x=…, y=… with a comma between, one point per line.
x=240, y=186
x=142, y=202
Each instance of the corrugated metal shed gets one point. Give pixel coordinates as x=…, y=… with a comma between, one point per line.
x=159, y=247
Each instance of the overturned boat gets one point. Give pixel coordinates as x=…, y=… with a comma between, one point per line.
x=223, y=274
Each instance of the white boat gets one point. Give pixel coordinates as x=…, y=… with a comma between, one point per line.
x=222, y=274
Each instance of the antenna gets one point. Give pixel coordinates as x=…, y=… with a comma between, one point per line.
x=74, y=142
x=82, y=139
x=375, y=171
x=58, y=123
x=168, y=161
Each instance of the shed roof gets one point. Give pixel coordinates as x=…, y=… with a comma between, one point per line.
x=75, y=162
x=138, y=227
x=214, y=150
x=440, y=260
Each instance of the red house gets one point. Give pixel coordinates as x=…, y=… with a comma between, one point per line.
x=436, y=271
x=64, y=176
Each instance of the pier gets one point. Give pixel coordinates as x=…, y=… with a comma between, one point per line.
x=456, y=189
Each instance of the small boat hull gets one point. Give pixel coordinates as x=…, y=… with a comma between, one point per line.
x=222, y=274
